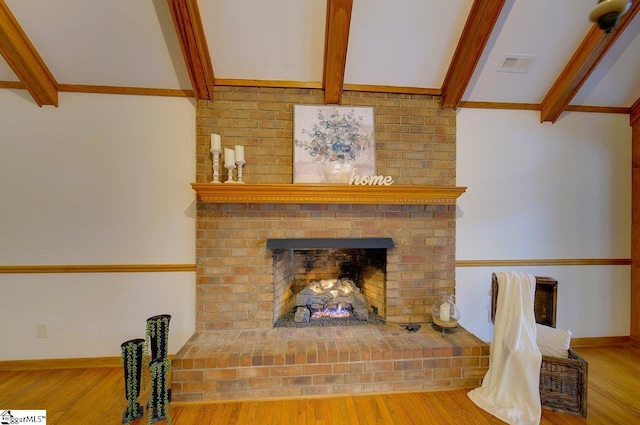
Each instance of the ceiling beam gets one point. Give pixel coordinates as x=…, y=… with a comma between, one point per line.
x=24, y=60
x=188, y=25
x=480, y=23
x=335, y=48
x=585, y=59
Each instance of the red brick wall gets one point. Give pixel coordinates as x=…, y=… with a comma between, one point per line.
x=415, y=143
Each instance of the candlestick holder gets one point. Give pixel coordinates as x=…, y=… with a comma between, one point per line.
x=216, y=165
x=230, y=168
x=240, y=164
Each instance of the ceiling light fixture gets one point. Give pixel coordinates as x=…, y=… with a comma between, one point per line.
x=607, y=13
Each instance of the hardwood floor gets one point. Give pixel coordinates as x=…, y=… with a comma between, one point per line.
x=96, y=396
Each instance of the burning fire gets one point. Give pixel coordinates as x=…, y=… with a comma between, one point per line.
x=333, y=313
x=332, y=288
x=330, y=299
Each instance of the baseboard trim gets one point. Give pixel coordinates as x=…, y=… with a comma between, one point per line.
x=600, y=341
x=74, y=363
x=40, y=364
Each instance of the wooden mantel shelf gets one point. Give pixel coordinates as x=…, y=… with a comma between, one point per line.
x=235, y=193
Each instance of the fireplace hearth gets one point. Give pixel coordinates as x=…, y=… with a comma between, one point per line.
x=237, y=353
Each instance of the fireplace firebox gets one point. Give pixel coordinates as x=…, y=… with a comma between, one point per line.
x=329, y=281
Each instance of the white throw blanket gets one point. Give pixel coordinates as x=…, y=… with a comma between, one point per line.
x=511, y=388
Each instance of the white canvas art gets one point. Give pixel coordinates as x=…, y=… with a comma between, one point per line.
x=331, y=141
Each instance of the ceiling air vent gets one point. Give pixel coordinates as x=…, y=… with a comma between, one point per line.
x=516, y=63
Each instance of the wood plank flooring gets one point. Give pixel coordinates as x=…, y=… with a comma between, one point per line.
x=96, y=396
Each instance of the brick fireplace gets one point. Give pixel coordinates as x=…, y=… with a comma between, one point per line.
x=236, y=352
x=235, y=275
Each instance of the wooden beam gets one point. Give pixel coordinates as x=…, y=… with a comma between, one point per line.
x=335, y=48
x=536, y=107
x=635, y=113
x=188, y=25
x=635, y=224
x=135, y=91
x=11, y=85
x=480, y=23
x=499, y=105
x=583, y=62
x=391, y=89
x=286, y=84
x=24, y=60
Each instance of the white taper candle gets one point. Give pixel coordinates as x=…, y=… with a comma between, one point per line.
x=239, y=153
x=215, y=142
x=229, y=157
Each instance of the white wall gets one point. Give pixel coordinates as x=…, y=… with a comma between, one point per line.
x=546, y=191
x=77, y=183
x=102, y=179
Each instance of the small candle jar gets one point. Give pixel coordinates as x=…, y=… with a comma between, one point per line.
x=444, y=312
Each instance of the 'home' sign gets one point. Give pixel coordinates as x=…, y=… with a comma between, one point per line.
x=369, y=180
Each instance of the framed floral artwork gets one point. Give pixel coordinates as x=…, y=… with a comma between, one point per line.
x=331, y=141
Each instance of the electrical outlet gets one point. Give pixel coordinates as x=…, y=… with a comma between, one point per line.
x=41, y=330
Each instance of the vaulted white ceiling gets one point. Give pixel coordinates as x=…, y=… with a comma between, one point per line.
x=406, y=46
